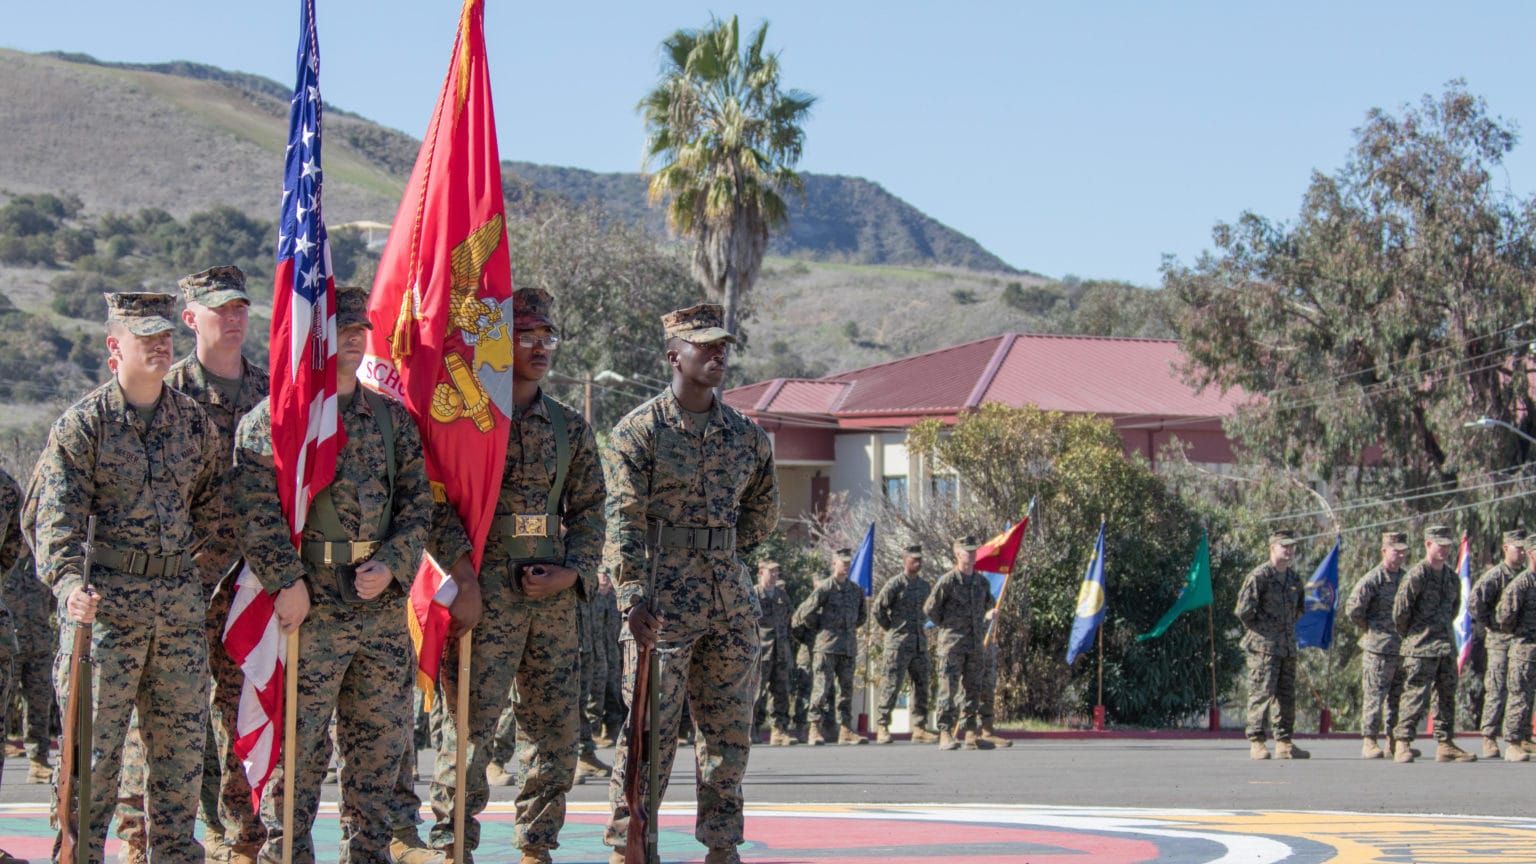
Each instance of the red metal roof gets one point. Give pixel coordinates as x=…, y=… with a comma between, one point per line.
x=1075, y=374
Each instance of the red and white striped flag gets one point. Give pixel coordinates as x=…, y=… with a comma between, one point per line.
x=305, y=436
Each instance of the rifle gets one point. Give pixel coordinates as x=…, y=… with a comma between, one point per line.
x=641, y=840
x=75, y=754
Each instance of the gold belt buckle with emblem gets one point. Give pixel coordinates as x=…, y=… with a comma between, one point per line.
x=531, y=526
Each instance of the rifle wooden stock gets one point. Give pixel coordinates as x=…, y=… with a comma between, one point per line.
x=74, y=813
x=637, y=837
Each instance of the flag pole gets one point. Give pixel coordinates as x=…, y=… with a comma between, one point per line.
x=1098, y=709
x=461, y=749
x=290, y=740
x=1215, y=713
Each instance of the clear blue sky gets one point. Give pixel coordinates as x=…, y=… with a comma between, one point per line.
x=1086, y=138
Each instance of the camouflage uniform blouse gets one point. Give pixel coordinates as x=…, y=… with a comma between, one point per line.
x=841, y=609
x=1424, y=609
x=899, y=610
x=156, y=490
x=1268, y=604
x=1370, y=608
x=1516, y=611
x=1485, y=598
x=958, y=606
x=189, y=376
x=359, y=493
x=718, y=477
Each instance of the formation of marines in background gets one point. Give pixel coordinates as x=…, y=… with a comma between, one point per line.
x=590, y=558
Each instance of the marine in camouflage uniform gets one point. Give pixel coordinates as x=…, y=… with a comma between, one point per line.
x=605, y=710
x=217, y=311
x=1381, y=666
x=1268, y=605
x=1500, y=667
x=1425, y=606
x=540, y=561
x=8, y=652
x=838, y=608
x=147, y=462
x=594, y=672
x=692, y=492
x=774, y=658
x=1515, y=614
x=31, y=607
x=800, y=678
x=355, y=654
x=899, y=611
x=959, y=606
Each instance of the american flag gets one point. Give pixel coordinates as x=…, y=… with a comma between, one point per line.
x=305, y=437
x=1462, y=625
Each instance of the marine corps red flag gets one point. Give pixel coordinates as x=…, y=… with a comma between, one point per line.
x=442, y=310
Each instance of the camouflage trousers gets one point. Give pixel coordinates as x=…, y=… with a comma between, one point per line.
x=535, y=644
x=800, y=679
x=1522, y=688
x=30, y=679
x=773, y=665
x=156, y=665
x=1495, y=684
x=1271, y=689
x=1426, y=677
x=503, y=746
x=961, y=671
x=832, y=693
x=356, y=662
x=228, y=805
x=986, y=697
x=594, y=669
x=1381, y=687
x=712, y=674
x=904, y=659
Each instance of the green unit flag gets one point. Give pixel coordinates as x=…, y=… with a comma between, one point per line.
x=1196, y=591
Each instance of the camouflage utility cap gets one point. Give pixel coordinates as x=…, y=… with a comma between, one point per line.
x=1514, y=537
x=699, y=324
x=1530, y=542
x=1395, y=540
x=768, y=564
x=1282, y=537
x=144, y=314
x=530, y=308
x=352, y=308
x=968, y=543
x=914, y=551
x=214, y=287
x=1439, y=534
x=843, y=554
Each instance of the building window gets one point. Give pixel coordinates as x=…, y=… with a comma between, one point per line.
x=945, y=488
x=896, y=492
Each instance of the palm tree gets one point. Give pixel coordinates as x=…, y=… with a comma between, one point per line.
x=726, y=140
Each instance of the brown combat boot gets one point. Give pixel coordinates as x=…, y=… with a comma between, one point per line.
x=451, y=856
x=130, y=853
x=496, y=775
x=883, y=734
x=1369, y=749
x=920, y=735
x=1528, y=746
x=1447, y=751
x=1257, y=750
x=815, y=737
x=723, y=855
x=947, y=741
x=1402, y=752
x=39, y=772
x=616, y=856
x=407, y=848
x=535, y=856
x=1513, y=753
x=244, y=853
x=990, y=734
x=1490, y=747
x=846, y=735
x=215, y=848
x=588, y=766
x=1284, y=749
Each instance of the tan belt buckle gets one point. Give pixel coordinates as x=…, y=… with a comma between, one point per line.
x=530, y=526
